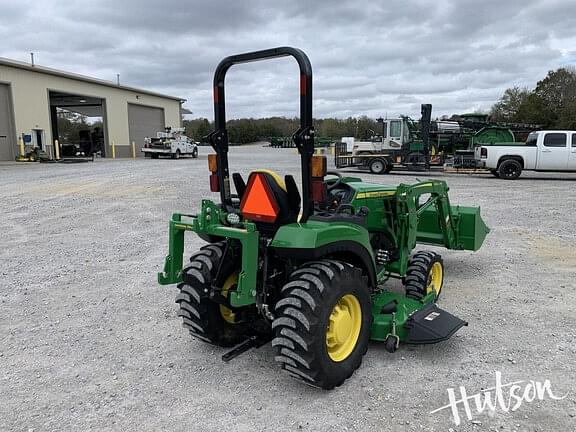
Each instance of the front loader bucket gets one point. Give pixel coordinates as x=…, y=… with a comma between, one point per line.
x=470, y=230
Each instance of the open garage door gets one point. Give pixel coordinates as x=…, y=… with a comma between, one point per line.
x=79, y=125
x=144, y=122
x=7, y=134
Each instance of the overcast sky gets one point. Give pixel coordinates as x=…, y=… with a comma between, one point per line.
x=369, y=58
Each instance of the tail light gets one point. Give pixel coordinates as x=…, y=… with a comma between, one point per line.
x=319, y=166
x=212, y=163
x=318, y=191
x=213, y=167
x=214, y=185
x=483, y=152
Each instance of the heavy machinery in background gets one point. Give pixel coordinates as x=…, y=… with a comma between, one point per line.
x=306, y=269
x=172, y=142
x=419, y=145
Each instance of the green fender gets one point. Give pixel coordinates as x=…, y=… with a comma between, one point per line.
x=316, y=239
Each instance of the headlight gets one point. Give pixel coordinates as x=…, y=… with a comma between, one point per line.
x=233, y=218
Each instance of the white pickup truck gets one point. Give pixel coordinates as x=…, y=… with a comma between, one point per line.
x=173, y=143
x=547, y=150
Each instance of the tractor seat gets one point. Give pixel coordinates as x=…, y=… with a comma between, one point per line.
x=267, y=199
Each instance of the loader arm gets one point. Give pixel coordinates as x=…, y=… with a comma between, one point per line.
x=433, y=221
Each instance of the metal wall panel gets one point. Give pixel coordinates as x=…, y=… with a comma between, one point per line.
x=144, y=121
x=7, y=135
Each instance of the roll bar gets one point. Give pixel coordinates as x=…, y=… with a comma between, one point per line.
x=303, y=137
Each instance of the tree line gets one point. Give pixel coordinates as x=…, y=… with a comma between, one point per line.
x=551, y=104
x=248, y=130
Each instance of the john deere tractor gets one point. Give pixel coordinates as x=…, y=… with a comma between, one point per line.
x=307, y=270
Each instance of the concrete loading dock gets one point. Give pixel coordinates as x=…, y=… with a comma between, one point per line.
x=31, y=98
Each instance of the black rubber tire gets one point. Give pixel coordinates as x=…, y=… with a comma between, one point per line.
x=154, y=155
x=390, y=344
x=418, y=274
x=494, y=173
x=509, y=169
x=195, y=153
x=389, y=166
x=378, y=166
x=302, y=317
x=200, y=315
x=176, y=155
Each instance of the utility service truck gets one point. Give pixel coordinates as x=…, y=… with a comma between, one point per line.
x=172, y=142
x=547, y=150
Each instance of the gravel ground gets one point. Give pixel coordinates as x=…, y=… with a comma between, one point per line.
x=89, y=341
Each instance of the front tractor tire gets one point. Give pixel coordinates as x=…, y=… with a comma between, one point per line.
x=205, y=319
x=425, y=274
x=322, y=324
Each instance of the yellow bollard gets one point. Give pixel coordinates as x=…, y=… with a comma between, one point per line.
x=57, y=149
x=113, y=150
x=21, y=146
x=133, y=150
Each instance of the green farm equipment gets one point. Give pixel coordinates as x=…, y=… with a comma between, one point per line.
x=307, y=271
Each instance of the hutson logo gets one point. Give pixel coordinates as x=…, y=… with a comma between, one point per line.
x=505, y=397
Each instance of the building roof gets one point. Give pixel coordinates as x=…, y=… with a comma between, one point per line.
x=70, y=75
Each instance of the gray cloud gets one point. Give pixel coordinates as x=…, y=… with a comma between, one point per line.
x=369, y=58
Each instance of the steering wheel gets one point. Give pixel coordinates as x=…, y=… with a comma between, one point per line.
x=338, y=179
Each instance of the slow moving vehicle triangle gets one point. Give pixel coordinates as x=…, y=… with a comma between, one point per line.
x=259, y=203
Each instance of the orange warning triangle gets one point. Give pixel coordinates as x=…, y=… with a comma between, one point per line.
x=258, y=202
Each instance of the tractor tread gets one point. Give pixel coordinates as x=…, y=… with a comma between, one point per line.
x=300, y=324
x=294, y=337
x=296, y=284
x=294, y=369
x=305, y=297
x=289, y=301
x=194, y=273
x=416, y=279
x=219, y=252
x=285, y=322
x=316, y=281
x=305, y=270
x=292, y=354
x=199, y=314
x=298, y=316
x=285, y=360
x=282, y=341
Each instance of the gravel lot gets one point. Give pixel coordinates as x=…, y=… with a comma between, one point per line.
x=89, y=341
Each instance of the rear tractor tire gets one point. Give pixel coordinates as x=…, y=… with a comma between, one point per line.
x=205, y=319
x=425, y=274
x=322, y=324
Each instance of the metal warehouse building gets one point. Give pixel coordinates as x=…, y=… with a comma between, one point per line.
x=32, y=97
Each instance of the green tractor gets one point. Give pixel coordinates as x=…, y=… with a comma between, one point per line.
x=307, y=271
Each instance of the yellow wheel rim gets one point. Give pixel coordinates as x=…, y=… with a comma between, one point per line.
x=228, y=315
x=344, y=327
x=435, y=278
